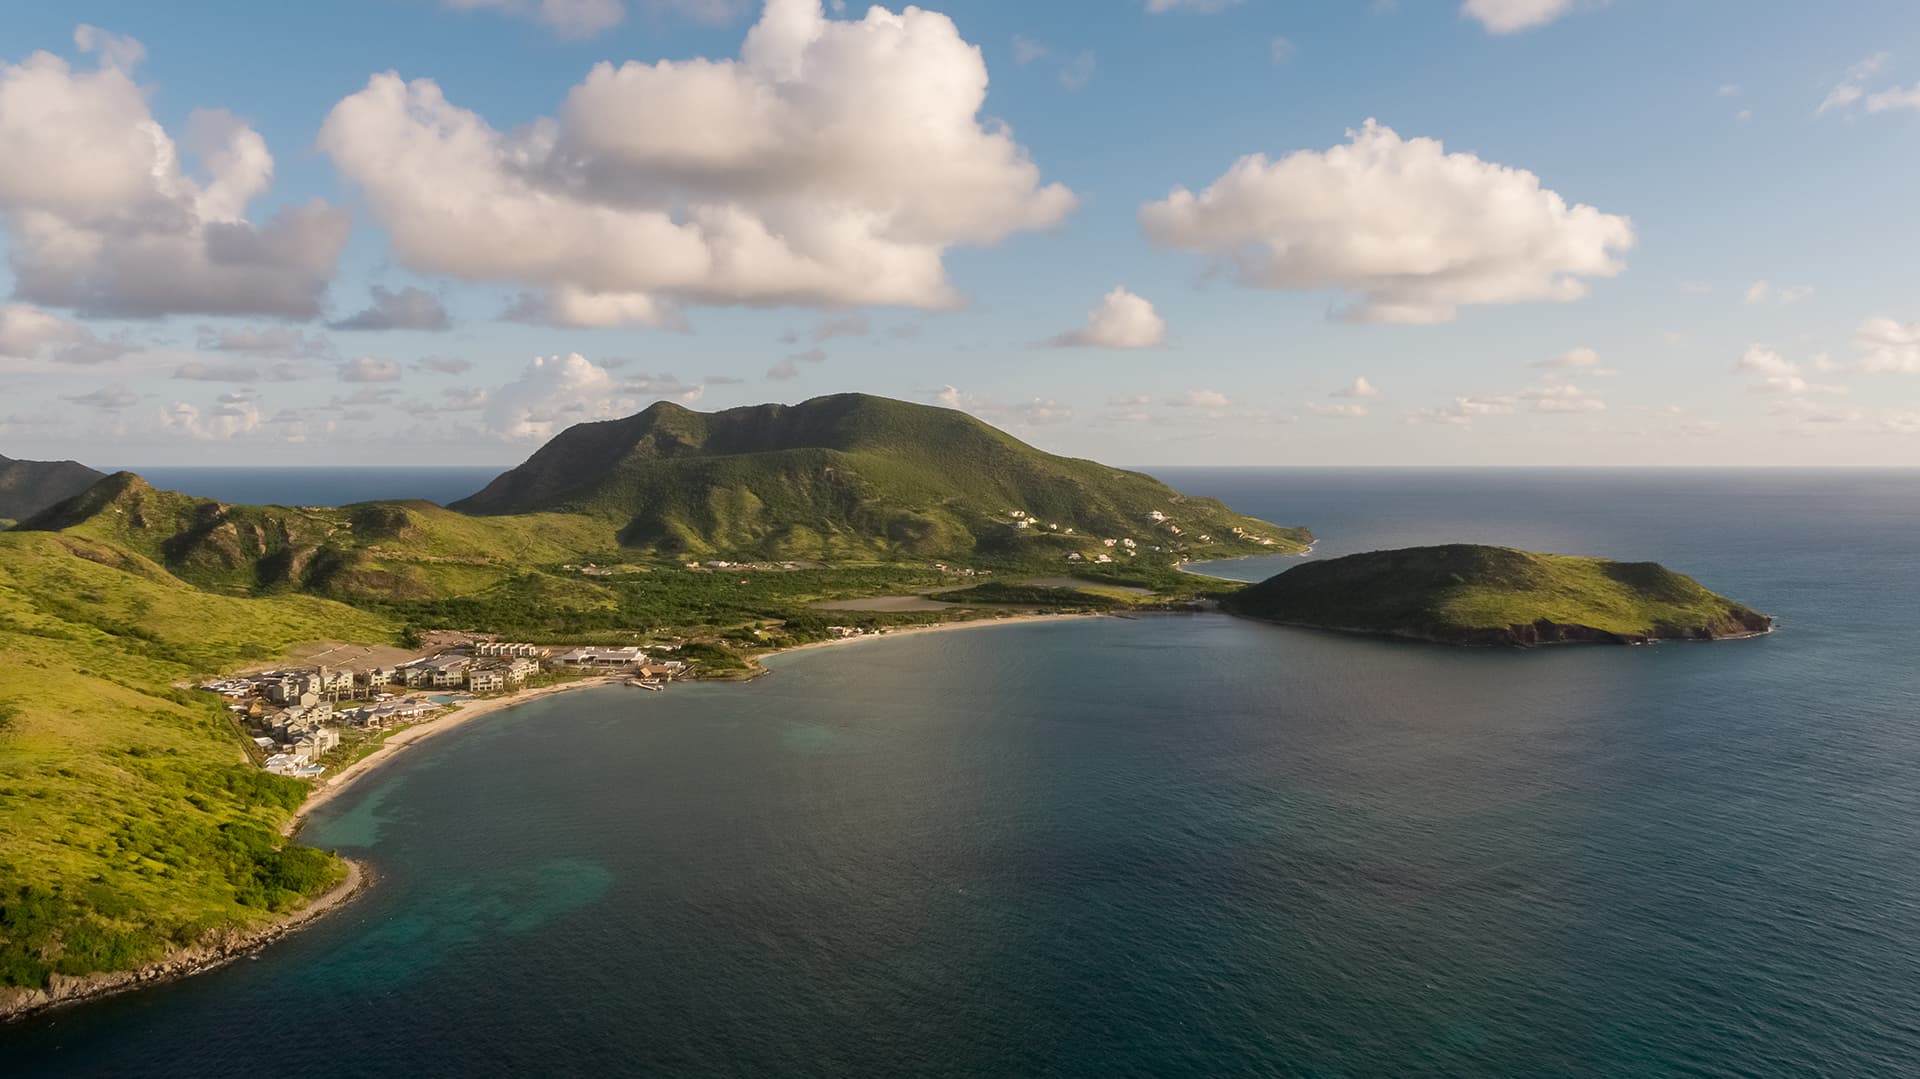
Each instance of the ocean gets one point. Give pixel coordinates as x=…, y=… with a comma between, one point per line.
x=1167, y=846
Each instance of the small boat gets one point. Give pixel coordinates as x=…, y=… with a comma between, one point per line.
x=642, y=683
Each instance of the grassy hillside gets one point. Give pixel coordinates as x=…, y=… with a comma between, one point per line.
x=374, y=549
x=129, y=817
x=27, y=487
x=854, y=476
x=1495, y=595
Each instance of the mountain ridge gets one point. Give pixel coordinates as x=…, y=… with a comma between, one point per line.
x=28, y=487
x=852, y=474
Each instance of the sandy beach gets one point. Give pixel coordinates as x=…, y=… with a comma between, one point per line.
x=940, y=627
x=333, y=786
x=330, y=788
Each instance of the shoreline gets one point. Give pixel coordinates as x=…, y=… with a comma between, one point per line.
x=332, y=787
x=936, y=627
x=232, y=945
x=229, y=946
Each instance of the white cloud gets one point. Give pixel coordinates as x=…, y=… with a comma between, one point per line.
x=369, y=369
x=1281, y=50
x=227, y=418
x=1413, y=231
x=27, y=332
x=403, y=309
x=1210, y=399
x=1895, y=98
x=1026, y=50
x=554, y=392
x=1563, y=397
x=1766, y=292
x=101, y=215
x=1853, y=86
x=1887, y=345
x=1758, y=359
x=1359, y=388
x=1338, y=412
x=1122, y=320
x=1780, y=376
x=833, y=164
x=1462, y=411
x=1513, y=16
x=1574, y=359
x=1044, y=411
x=1034, y=413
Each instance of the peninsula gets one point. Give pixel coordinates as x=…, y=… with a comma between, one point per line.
x=1467, y=594
x=197, y=666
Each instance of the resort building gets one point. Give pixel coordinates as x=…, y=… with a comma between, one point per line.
x=601, y=657
x=509, y=648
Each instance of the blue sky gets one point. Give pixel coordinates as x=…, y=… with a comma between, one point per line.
x=1759, y=155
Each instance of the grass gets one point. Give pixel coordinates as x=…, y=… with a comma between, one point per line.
x=130, y=819
x=1462, y=591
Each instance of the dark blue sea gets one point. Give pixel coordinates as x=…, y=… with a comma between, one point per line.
x=1171, y=846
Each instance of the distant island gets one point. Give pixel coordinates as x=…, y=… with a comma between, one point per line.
x=1467, y=594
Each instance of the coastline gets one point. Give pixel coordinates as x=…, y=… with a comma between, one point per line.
x=228, y=946
x=232, y=945
x=937, y=627
x=332, y=787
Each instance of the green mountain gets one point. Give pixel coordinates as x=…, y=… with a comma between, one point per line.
x=854, y=476
x=27, y=487
x=1468, y=594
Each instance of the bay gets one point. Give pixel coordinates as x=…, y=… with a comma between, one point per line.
x=1176, y=845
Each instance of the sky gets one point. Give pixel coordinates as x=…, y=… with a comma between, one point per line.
x=1226, y=232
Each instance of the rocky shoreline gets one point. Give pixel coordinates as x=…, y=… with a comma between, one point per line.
x=217, y=950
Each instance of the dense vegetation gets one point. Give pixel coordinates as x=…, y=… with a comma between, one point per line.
x=1051, y=597
x=129, y=819
x=27, y=487
x=854, y=476
x=1469, y=594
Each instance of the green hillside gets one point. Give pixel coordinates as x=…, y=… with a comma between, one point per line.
x=387, y=550
x=130, y=818
x=1467, y=594
x=854, y=476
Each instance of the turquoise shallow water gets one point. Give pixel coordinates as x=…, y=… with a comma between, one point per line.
x=1167, y=846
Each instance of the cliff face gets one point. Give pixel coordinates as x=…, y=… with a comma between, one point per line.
x=1494, y=596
